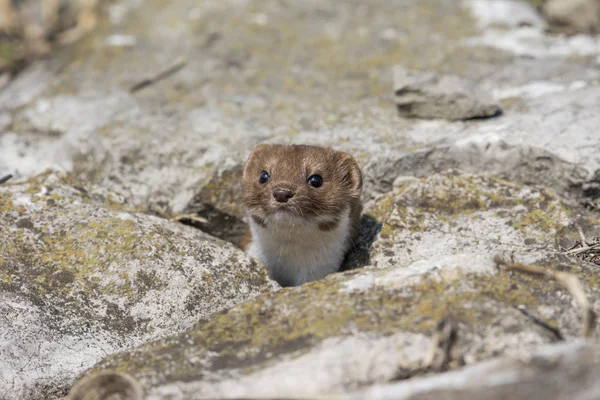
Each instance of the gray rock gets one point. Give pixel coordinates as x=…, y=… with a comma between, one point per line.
x=82, y=276
x=455, y=214
x=568, y=371
x=427, y=95
x=75, y=112
x=523, y=163
x=433, y=261
x=304, y=72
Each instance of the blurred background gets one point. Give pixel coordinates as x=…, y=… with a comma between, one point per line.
x=153, y=99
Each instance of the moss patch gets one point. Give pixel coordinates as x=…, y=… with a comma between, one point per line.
x=255, y=334
x=445, y=197
x=75, y=247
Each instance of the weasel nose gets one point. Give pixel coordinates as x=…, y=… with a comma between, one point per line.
x=282, y=195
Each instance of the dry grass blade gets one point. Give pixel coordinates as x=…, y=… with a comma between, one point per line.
x=584, y=243
x=585, y=249
x=581, y=250
x=569, y=281
x=190, y=217
x=179, y=64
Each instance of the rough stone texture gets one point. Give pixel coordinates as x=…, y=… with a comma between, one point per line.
x=573, y=16
x=426, y=95
x=329, y=84
x=321, y=73
x=81, y=276
x=432, y=260
x=450, y=214
x=561, y=372
x=488, y=152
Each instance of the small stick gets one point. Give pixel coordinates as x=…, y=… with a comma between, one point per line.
x=567, y=280
x=5, y=178
x=554, y=331
x=158, y=77
x=583, y=249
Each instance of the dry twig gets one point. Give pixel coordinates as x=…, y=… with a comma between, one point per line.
x=569, y=281
x=5, y=178
x=555, y=332
x=158, y=77
x=585, y=249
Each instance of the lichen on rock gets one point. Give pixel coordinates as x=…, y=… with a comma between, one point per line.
x=87, y=275
x=82, y=271
x=431, y=261
x=455, y=212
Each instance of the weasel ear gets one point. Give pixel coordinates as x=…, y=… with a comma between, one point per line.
x=352, y=174
x=254, y=154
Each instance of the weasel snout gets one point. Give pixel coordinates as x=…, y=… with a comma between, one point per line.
x=282, y=195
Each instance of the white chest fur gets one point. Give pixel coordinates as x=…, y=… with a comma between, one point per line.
x=296, y=251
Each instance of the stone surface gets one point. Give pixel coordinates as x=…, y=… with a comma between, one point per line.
x=165, y=144
x=431, y=261
x=449, y=214
x=574, y=16
x=442, y=197
x=559, y=372
x=426, y=95
x=81, y=276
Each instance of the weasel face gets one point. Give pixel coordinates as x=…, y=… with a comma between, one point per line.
x=300, y=183
x=304, y=205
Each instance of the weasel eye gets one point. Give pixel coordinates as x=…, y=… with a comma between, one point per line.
x=315, y=181
x=264, y=177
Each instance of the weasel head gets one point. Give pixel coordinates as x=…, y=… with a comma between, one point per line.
x=299, y=183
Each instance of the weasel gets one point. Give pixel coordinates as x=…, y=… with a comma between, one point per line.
x=303, y=204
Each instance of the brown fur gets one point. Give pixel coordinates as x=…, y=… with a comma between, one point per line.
x=290, y=167
x=246, y=239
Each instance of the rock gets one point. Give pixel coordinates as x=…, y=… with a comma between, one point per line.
x=509, y=13
x=452, y=213
x=474, y=153
x=530, y=40
x=427, y=95
x=554, y=372
x=182, y=138
x=573, y=16
x=307, y=72
x=218, y=204
x=5, y=120
x=83, y=276
x=432, y=261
